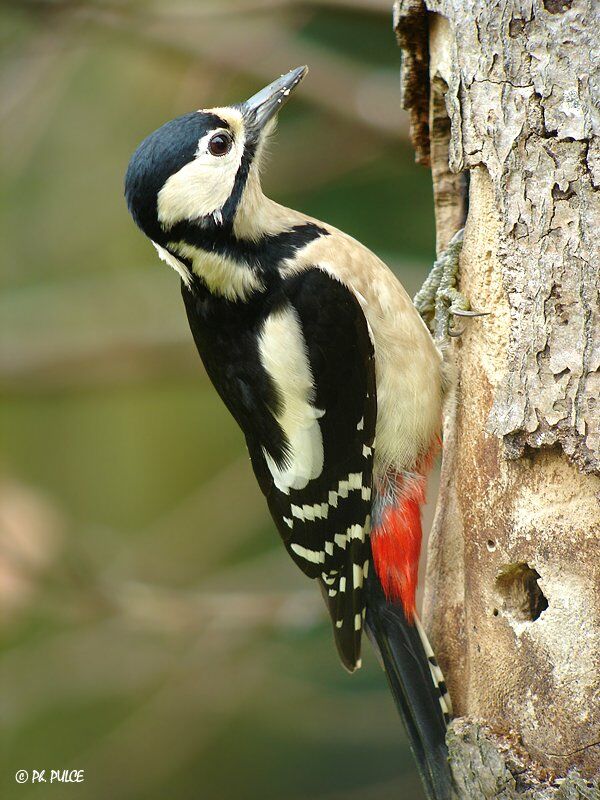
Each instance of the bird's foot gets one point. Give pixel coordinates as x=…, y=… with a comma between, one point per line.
x=450, y=303
x=438, y=301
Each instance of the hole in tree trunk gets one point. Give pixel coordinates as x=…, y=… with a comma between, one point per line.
x=557, y=6
x=518, y=588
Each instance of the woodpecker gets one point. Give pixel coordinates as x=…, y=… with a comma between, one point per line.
x=326, y=365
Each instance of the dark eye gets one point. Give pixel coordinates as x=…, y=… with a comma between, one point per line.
x=220, y=144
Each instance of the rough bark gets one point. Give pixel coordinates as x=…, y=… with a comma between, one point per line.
x=513, y=592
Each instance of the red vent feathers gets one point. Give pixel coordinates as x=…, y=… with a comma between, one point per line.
x=396, y=545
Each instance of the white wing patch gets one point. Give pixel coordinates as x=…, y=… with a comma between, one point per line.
x=283, y=354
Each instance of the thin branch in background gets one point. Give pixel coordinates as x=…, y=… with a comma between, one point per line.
x=192, y=11
x=375, y=6
x=161, y=724
x=196, y=510
x=32, y=533
x=223, y=613
x=342, y=88
x=31, y=87
x=73, y=581
x=386, y=790
x=211, y=9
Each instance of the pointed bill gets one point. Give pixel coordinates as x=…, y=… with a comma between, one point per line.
x=264, y=105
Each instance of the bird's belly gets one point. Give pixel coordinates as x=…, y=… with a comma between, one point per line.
x=409, y=406
x=410, y=378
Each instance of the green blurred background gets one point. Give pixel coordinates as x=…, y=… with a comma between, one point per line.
x=154, y=632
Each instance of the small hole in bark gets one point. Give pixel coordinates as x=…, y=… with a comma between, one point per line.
x=522, y=598
x=557, y=6
x=491, y=545
x=515, y=27
x=495, y=612
x=563, y=194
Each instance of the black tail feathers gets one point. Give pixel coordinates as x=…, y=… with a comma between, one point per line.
x=419, y=700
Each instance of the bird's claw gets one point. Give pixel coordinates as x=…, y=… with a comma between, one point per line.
x=457, y=311
x=455, y=333
x=460, y=312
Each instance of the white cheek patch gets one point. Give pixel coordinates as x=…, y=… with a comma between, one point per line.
x=283, y=354
x=223, y=276
x=202, y=187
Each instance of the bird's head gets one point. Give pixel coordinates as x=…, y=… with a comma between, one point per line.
x=196, y=169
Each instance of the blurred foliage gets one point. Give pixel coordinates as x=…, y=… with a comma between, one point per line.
x=154, y=633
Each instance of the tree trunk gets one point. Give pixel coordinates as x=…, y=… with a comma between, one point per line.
x=507, y=93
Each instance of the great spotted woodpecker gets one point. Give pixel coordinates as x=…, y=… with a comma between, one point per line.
x=332, y=375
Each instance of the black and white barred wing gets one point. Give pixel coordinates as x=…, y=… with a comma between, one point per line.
x=316, y=349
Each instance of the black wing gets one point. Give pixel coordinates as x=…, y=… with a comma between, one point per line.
x=325, y=523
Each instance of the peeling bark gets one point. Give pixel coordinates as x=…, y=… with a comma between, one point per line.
x=410, y=24
x=489, y=766
x=513, y=586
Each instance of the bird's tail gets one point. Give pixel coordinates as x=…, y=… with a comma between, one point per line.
x=417, y=685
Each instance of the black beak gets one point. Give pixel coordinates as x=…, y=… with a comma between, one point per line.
x=264, y=105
